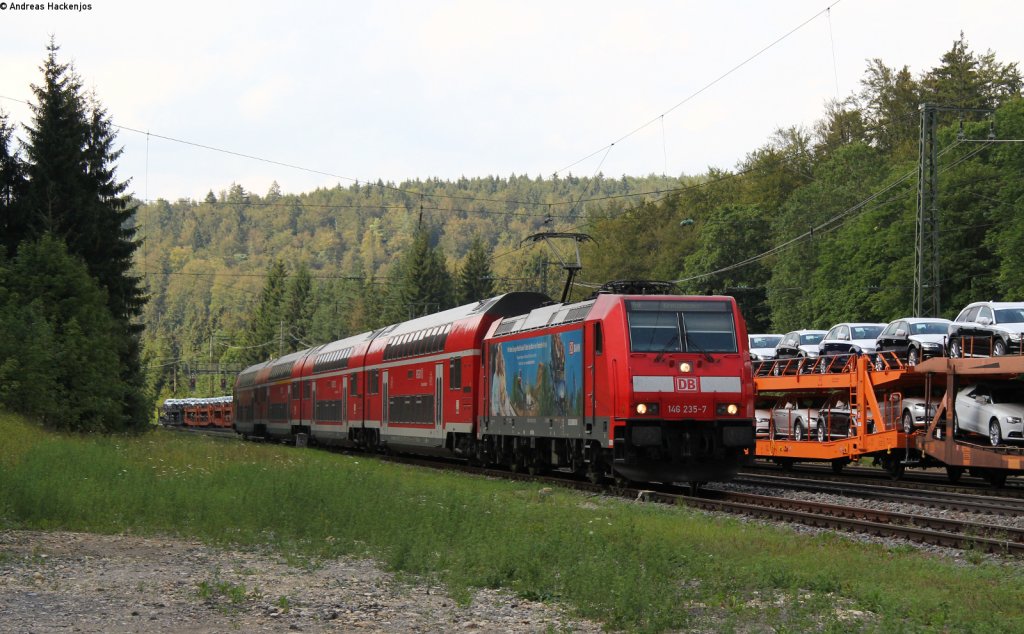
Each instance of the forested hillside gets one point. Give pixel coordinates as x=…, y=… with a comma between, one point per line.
x=815, y=225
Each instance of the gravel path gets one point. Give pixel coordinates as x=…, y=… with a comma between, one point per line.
x=79, y=582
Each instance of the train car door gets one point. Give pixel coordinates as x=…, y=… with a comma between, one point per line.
x=591, y=356
x=384, y=400
x=344, y=402
x=295, y=401
x=439, y=394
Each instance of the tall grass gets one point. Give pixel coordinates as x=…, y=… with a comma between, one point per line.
x=638, y=567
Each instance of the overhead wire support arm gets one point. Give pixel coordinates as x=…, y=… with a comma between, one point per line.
x=571, y=269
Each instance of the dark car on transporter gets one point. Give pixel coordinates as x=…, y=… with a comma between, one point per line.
x=987, y=329
x=845, y=340
x=911, y=340
x=799, y=345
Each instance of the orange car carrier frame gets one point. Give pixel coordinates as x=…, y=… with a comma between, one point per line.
x=874, y=389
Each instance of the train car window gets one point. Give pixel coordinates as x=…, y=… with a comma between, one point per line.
x=353, y=385
x=373, y=382
x=307, y=389
x=681, y=326
x=598, y=338
x=455, y=373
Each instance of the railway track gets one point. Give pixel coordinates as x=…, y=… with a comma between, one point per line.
x=938, y=499
x=951, y=533
x=212, y=432
x=919, y=481
x=854, y=519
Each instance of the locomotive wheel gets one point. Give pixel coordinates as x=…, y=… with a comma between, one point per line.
x=953, y=473
x=838, y=464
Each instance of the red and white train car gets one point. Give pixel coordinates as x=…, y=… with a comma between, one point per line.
x=423, y=375
x=644, y=387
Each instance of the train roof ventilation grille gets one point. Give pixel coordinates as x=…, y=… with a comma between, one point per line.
x=336, y=360
x=579, y=313
x=281, y=371
x=506, y=326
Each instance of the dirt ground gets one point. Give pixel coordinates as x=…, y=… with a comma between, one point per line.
x=79, y=582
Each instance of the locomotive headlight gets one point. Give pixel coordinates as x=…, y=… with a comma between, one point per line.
x=685, y=367
x=727, y=409
x=641, y=408
x=647, y=408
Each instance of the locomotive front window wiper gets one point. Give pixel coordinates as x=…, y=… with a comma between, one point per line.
x=681, y=319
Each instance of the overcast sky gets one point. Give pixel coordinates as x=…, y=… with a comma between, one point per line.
x=402, y=90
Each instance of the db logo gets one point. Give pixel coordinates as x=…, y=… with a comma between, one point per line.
x=686, y=384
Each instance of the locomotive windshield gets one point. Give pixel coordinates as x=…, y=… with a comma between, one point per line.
x=681, y=326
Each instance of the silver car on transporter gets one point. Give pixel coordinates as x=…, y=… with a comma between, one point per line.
x=993, y=409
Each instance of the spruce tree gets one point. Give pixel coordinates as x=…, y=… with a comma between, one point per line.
x=298, y=309
x=12, y=184
x=423, y=283
x=475, y=279
x=68, y=377
x=72, y=192
x=263, y=338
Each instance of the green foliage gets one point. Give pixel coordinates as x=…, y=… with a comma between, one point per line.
x=12, y=186
x=265, y=335
x=59, y=345
x=297, y=311
x=63, y=190
x=475, y=281
x=423, y=284
x=207, y=257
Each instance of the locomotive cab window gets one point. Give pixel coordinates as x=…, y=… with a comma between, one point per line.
x=681, y=326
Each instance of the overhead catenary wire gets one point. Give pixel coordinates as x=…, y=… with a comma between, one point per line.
x=702, y=89
x=827, y=225
x=358, y=181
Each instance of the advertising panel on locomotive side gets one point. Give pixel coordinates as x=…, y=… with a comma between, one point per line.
x=539, y=376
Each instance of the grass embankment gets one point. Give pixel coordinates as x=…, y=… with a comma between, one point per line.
x=632, y=566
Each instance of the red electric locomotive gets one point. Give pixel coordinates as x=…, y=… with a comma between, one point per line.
x=643, y=387
x=650, y=387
